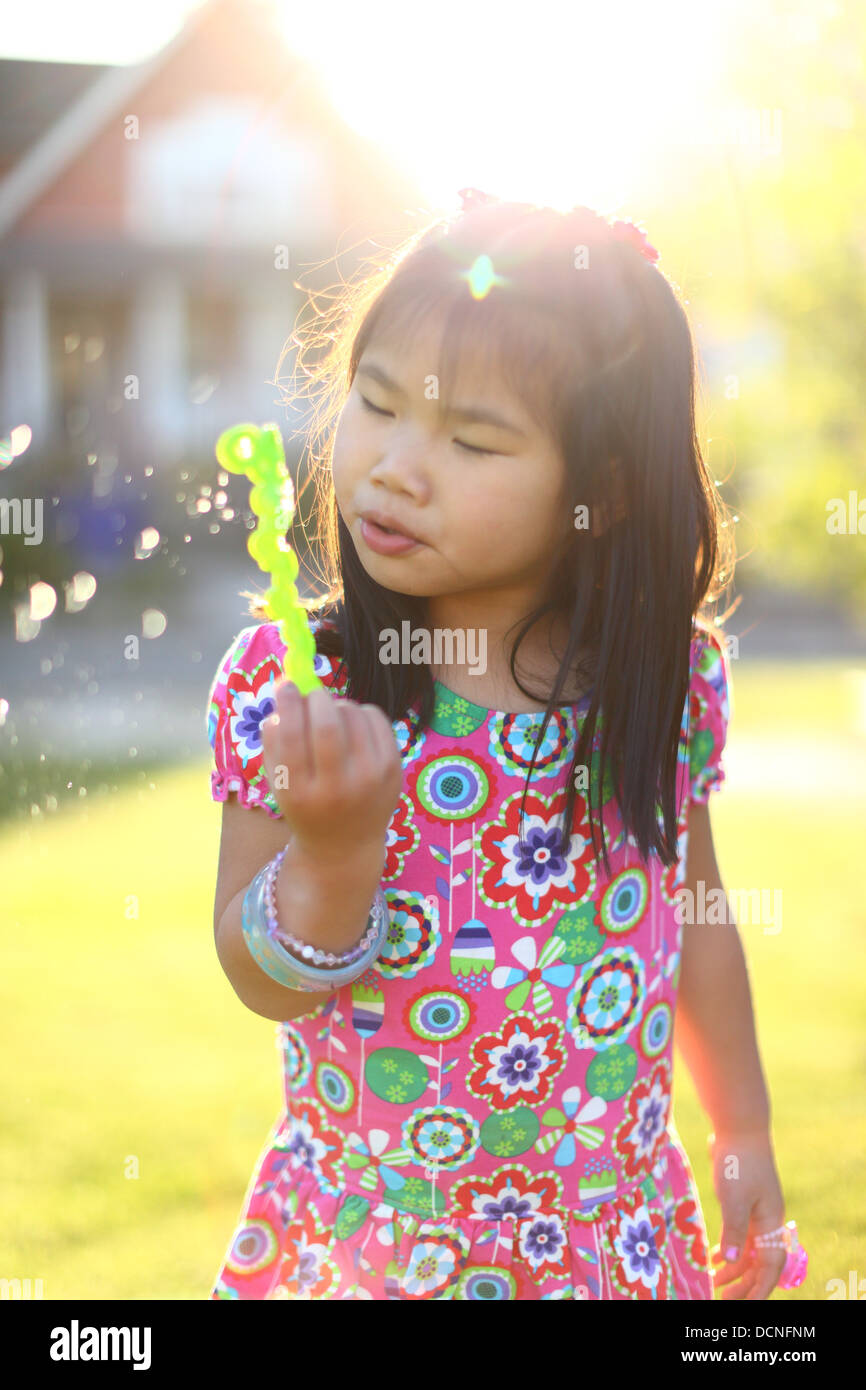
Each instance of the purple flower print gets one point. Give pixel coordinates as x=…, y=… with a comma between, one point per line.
x=541, y=854
x=303, y=1151
x=513, y=1208
x=248, y=728
x=639, y=1247
x=518, y=1064
x=651, y=1121
x=308, y=1269
x=543, y=1240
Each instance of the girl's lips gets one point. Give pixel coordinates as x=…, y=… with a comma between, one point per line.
x=385, y=542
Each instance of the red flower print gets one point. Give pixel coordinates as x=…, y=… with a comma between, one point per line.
x=512, y=1193
x=636, y=1239
x=312, y=1141
x=688, y=1225
x=518, y=1065
x=249, y=701
x=401, y=838
x=306, y=1271
x=534, y=876
x=642, y=1134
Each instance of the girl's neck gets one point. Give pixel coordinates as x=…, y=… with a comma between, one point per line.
x=537, y=664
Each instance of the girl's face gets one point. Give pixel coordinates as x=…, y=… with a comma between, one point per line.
x=485, y=498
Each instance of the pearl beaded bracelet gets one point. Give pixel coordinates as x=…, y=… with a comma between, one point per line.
x=269, y=947
x=303, y=948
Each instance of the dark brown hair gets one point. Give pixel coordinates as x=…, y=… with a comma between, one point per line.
x=594, y=340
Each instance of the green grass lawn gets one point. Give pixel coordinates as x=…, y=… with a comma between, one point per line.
x=128, y=1052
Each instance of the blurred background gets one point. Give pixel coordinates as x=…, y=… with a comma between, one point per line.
x=166, y=179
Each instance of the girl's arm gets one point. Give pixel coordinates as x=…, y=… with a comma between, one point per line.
x=327, y=905
x=714, y=1023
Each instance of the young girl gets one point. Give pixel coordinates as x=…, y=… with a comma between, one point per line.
x=483, y=1111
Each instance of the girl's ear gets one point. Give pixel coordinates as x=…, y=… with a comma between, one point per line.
x=600, y=515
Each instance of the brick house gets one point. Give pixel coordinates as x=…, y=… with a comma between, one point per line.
x=142, y=209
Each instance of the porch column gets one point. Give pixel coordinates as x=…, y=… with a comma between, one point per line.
x=157, y=356
x=25, y=390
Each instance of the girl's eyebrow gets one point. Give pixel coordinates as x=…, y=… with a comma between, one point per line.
x=480, y=414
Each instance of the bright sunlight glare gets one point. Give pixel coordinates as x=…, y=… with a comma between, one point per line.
x=553, y=103
x=549, y=103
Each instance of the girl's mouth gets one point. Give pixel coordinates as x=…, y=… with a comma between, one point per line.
x=387, y=542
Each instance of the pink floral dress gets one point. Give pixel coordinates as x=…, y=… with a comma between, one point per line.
x=485, y=1113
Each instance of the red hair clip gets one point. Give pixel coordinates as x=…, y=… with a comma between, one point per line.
x=622, y=229
x=473, y=198
x=625, y=230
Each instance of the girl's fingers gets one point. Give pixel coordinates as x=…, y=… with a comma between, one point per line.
x=768, y=1268
x=293, y=744
x=360, y=746
x=382, y=738
x=738, y=1284
x=752, y=1277
x=737, y=1292
x=327, y=738
x=331, y=746
x=727, y=1270
x=372, y=745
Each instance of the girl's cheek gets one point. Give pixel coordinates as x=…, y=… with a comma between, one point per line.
x=347, y=456
x=339, y=468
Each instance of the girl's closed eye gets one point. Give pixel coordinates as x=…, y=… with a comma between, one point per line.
x=377, y=410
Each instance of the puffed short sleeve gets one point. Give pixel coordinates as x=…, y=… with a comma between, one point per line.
x=710, y=707
x=240, y=698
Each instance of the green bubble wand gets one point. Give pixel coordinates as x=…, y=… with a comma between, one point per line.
x=258, y=452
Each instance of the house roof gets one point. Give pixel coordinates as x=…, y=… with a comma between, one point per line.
x=76, y=122
x=52, y=123
x=51, y=114
x=33, y=97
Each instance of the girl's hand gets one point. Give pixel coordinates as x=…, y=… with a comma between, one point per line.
x=335, y=771
x=747, y=1186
